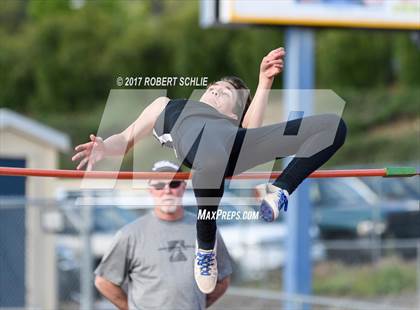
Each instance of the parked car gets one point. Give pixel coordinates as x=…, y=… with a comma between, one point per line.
x=106, y=222
x=346, y=208
x=394, y=188
x=109, y=214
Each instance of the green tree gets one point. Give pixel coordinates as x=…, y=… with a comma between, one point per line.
x=12, y=15
x=69, y=54
x=407, y=50
x=39, y=10
x=349, y=58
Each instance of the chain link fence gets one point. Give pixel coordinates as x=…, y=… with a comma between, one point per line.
x=359, y=262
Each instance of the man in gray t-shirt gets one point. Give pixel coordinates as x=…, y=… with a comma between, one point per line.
x=155, y=255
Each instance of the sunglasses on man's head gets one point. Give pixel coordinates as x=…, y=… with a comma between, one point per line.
x=161, y=185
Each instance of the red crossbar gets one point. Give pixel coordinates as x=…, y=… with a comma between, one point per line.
x=77, y=174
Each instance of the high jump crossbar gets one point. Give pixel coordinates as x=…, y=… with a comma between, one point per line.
x=127, y=175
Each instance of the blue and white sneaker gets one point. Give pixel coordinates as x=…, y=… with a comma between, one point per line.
x=205, y=269
x=275, y=199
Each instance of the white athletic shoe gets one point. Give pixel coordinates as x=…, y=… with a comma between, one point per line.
x=274, y=200
x=205, y=269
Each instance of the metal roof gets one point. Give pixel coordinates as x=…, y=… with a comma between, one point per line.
x=53, y=137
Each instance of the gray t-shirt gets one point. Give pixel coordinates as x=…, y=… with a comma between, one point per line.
x=156, y=257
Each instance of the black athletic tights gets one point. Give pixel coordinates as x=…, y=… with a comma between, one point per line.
x=214, y=155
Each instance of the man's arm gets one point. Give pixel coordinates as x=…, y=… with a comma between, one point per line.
x=112, y=292
x=218, y=292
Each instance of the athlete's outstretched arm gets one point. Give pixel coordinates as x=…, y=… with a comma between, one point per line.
x=144, y=124
x=271, y=66
x=91, y=152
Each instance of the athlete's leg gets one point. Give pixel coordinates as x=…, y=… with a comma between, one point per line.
x=318, y=136
x=300, y=167
x=207, y=202
x=208, y=157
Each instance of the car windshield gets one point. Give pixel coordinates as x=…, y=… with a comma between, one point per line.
x=392, y=188
x=336, y=192
x=111, y=218
x=106, y=219
x=414, y=184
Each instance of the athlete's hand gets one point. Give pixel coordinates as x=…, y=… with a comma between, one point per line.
x=272, y=64
x=89, y=153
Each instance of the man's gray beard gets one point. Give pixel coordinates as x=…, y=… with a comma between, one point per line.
x=169, y=209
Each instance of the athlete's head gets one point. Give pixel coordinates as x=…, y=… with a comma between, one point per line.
x=167, y=194
x=230, y=96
